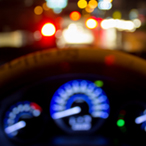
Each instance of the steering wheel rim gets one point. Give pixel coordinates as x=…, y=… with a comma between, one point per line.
x=39, y=65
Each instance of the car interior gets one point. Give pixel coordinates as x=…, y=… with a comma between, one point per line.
x=72, y=73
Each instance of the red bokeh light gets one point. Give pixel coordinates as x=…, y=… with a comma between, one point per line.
x=109, y=60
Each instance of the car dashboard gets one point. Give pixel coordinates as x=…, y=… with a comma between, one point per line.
x=74, y=107
x=96, y=111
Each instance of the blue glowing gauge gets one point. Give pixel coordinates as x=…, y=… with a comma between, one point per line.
x=79, y=106
x=23, y=121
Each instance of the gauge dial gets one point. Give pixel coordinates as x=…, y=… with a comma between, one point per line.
x=79, y=106
x=132, y=119
x=23, y=121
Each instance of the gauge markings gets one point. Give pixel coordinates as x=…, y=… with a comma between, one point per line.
x=101, y=107
x=95, y=97
x=100, y=114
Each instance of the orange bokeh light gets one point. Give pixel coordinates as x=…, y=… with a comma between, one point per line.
x=48, y=29
x=82, y=4
x=45, y=7
x=38, y=10
x=93, y=4
x=89, y=9
x=75, y=15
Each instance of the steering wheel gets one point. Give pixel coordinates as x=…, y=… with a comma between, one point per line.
x=38, y=65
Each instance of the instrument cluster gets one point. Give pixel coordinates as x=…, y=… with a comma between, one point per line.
x=74, y=109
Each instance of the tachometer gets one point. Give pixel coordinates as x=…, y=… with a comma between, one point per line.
x=79, y=106
x=23, y=121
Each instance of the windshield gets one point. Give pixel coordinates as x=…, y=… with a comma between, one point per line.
x=31, y=25
x=72, y=96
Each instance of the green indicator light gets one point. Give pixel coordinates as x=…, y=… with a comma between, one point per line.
x=98, y=83
x=120, y=123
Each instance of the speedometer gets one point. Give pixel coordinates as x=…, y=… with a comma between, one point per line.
x=79, y=106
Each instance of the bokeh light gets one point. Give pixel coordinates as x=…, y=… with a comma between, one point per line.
x=117, y=15
x=104, y=5
x=89, y=9
x=120, y=123
x=109, y=60
x=93, y=4
x=38, y=10
x=45, y=7
x=82, y=4
x=57, y=10
x=37, y=35
x=91, y=23
x=108, y=1
x=48, y=29
x=137, y=23
x=75, y=15
x=86, y=15
x=57, y=4
x=125, y=25
x=108, y=23
x=99, y=83
x=118, y=24
x=77, y=34
x=58, y=34
x=133, y=14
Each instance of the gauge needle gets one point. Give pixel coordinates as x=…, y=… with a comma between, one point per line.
x=140, y=119
x=15, y=127
x=68, y=112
